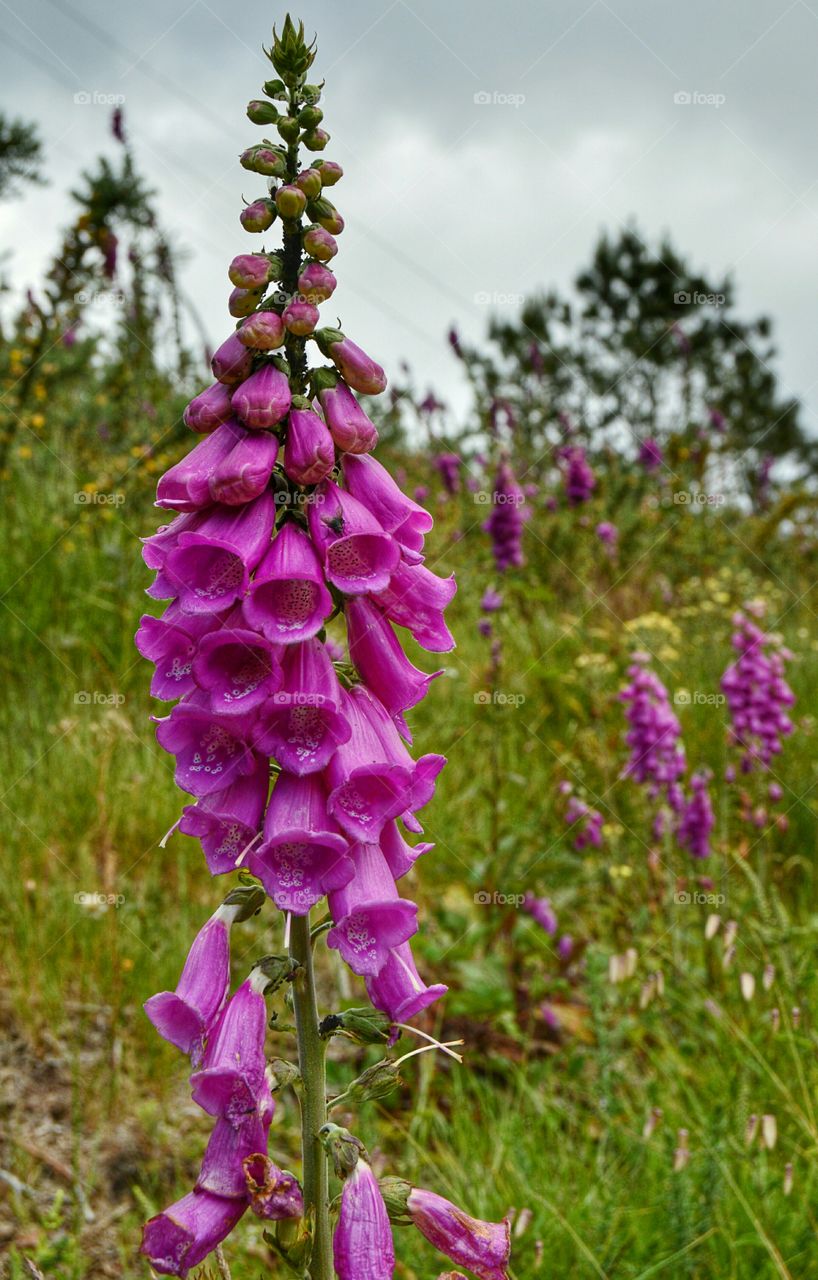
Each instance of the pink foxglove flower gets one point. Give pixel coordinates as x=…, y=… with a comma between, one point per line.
x=482, y=1247
x=362, y=1244
x=186, y=1015
x=231, y=1076
x=303, y=854
x=288, y=600
x=180, y=1238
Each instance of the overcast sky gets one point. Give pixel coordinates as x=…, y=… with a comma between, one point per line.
x=485, y=147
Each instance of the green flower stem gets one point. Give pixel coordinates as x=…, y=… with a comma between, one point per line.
x=313, y=1099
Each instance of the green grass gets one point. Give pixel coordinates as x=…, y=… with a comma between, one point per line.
x=99, y=1119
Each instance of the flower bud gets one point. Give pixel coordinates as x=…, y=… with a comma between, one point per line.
x=309, y=181
x=263, y=159
x=263, y=331
x=316, y=282
x=330, y=172
x=258, y=216
x=209, y=409
x=300, y=317
x=355, y=366
x=342, y=1147
x=243, y=302
x=250, y=271
x=316, y=140
x=396, y=1192
x=284, y=1073
x=309, y=453
x=249, y=899
x=319, y=243
x=312, y=92
x=310, y=117
x=324, y=213
x=231, y=362
x=274, y=88
x=288, y=127
x=351, y=428
x=377, y=1081
x=263, y=399
x=366, y=1025
x=290, y=202
x=262, y=112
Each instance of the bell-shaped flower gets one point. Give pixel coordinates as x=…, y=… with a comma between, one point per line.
x=209, y=409
x=422, y=773
x=288, y=600
x=245, y=472
x=481, y=1247
x=398, y=990
x=372, y=484
x=210, y=567
x=367, y=788
x=399, y=854
x=358, y=555
x=302, y=725
x=227, y=821
x=351, y=429
x=231, y=362
x=357, y=369
x=415, y=599
x=362, y=1244
x=377, y=653
x=303, y=854
x=186, y=1015
x=263, y=399
x=230, y=1145
x=309, y=452
x=238, y=668
x=370, y=918
x=170, y=643
x=186, y=486
x=210, y=751
x=180, y=1238
x=230, y=1080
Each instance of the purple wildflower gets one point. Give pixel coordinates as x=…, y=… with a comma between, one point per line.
x=579, y=479
x=362, y=1244
x=540, y=909
x=657, y=756
x=507, y=520
x=650, y=455
x=696, y=820
x=757, y=694
x=590, y=831
x=483, y=1247
x=447, y=466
